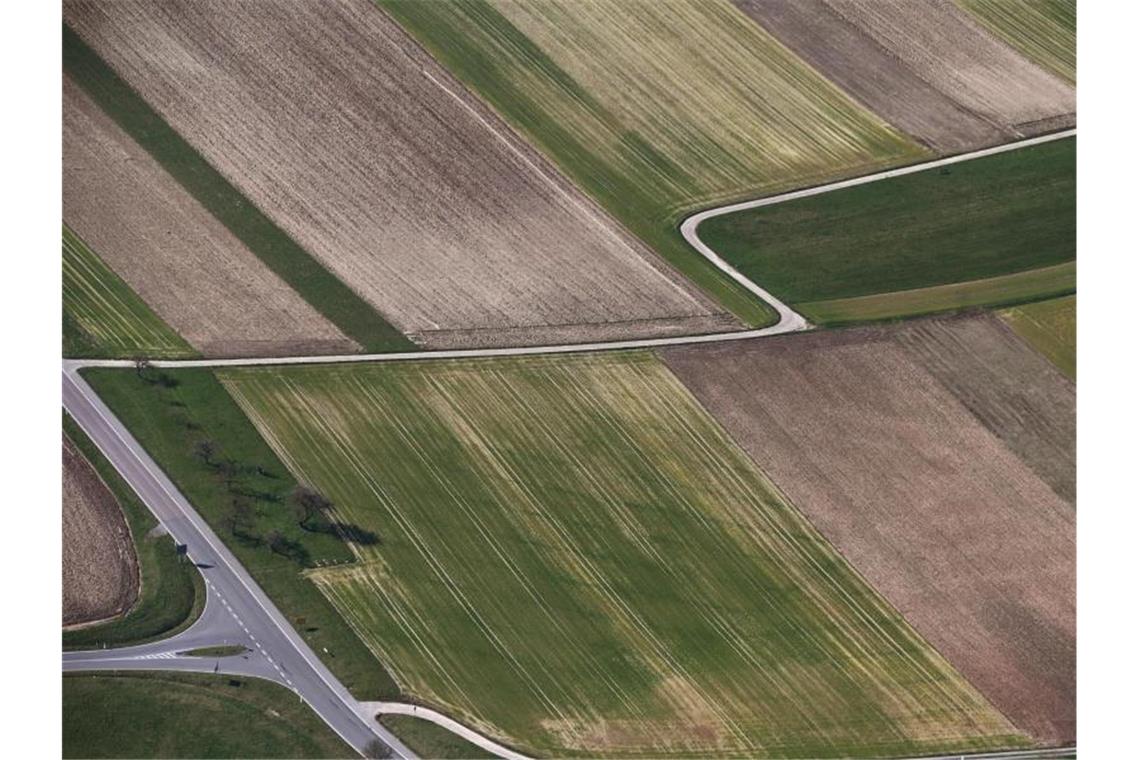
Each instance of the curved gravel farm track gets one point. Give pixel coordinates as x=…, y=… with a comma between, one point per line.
x=278, y=651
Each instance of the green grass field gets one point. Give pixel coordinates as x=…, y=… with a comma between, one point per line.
x=427, y=739
x=327, y=294
x=986, y=218
x=243, y=492
x=576, y=559
x=183, y=715
x=657, y=109
x=103, y=317
x=1044, y=31
x=171, y=594
x=1051, y=328
x=1029, y=285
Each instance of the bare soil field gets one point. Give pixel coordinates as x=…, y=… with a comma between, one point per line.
x=180, y=260
x=936, y=511
x=356, y=143
x=1015, y=392
x=100, y=574
x=925, y=66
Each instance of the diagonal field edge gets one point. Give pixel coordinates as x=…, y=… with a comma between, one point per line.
x=331, y=297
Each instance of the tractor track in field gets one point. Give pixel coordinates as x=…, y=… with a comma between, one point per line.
x=237, y=610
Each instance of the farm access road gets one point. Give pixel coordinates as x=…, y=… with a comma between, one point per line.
x=237, y=609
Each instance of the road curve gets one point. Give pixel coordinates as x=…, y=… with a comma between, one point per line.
x=296, y=666
x=789, y=320
x=438, y=718
x=290, y=658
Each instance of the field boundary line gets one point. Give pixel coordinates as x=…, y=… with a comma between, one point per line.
x=790, y=320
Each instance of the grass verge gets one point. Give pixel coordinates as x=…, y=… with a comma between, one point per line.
x=1016, y=288
x=189, y=715
x=192, y=428
x=986, y=218
x=427, y=739
x=103, y=317
x=327, y=294
x=171, y=591
x=218, y=651
x=1051, y=328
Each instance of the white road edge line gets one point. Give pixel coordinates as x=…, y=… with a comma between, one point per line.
x=789, y=321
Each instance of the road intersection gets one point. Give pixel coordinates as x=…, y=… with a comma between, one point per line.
x=237, y=611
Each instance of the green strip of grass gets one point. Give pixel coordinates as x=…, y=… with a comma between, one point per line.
x=171, y=595
x=427, y=739
x=243, y=491
x=219, y=651
x=985, y=218
x=993, y=291
x=1045, y=31
x=1051, y=328
x=103, y=317
x=189, y=715
x=327, y=294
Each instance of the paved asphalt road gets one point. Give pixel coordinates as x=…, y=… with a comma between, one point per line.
x=285, y=652
x=277, y=652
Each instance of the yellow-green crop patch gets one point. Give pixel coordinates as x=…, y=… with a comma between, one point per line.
x=1051, y=328
x=1044, y=31
x=103, y=316
x=658, y=108
x=574, y=558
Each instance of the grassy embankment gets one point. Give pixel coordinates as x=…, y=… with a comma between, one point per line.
x=184, y=715
x=577, y=560
x=171, y=592
x=1051, y=328
x=327, y=294
x=244, y=493
x=1044, y=31
x=103, y=317
x=991, y=231
x=427, y=739
x=648, y=122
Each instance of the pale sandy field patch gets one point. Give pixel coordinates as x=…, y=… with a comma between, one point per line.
x=357, y=144
x=181, y=261
x=919, y=452
x=926, y=66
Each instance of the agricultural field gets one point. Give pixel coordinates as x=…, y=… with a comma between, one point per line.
x=1051, y=328
x=657, y=109
x=100, y=573
x=575, y=559
x=1045, y=31
x=168, y=715
x=170, y=592
x=377, y=163
x=102, y=317
x=927, y=68
x=929, y=483
x=181, y=261
x=1012, y=213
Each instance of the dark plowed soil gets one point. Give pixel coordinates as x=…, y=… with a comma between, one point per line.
x=924, y=66
x=100, y=574
x=938, y=511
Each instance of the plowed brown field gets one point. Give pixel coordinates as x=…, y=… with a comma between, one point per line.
x=934, y=509
x=100, y=575
x=925, y=66
x=330, y=119
x=181, y=261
